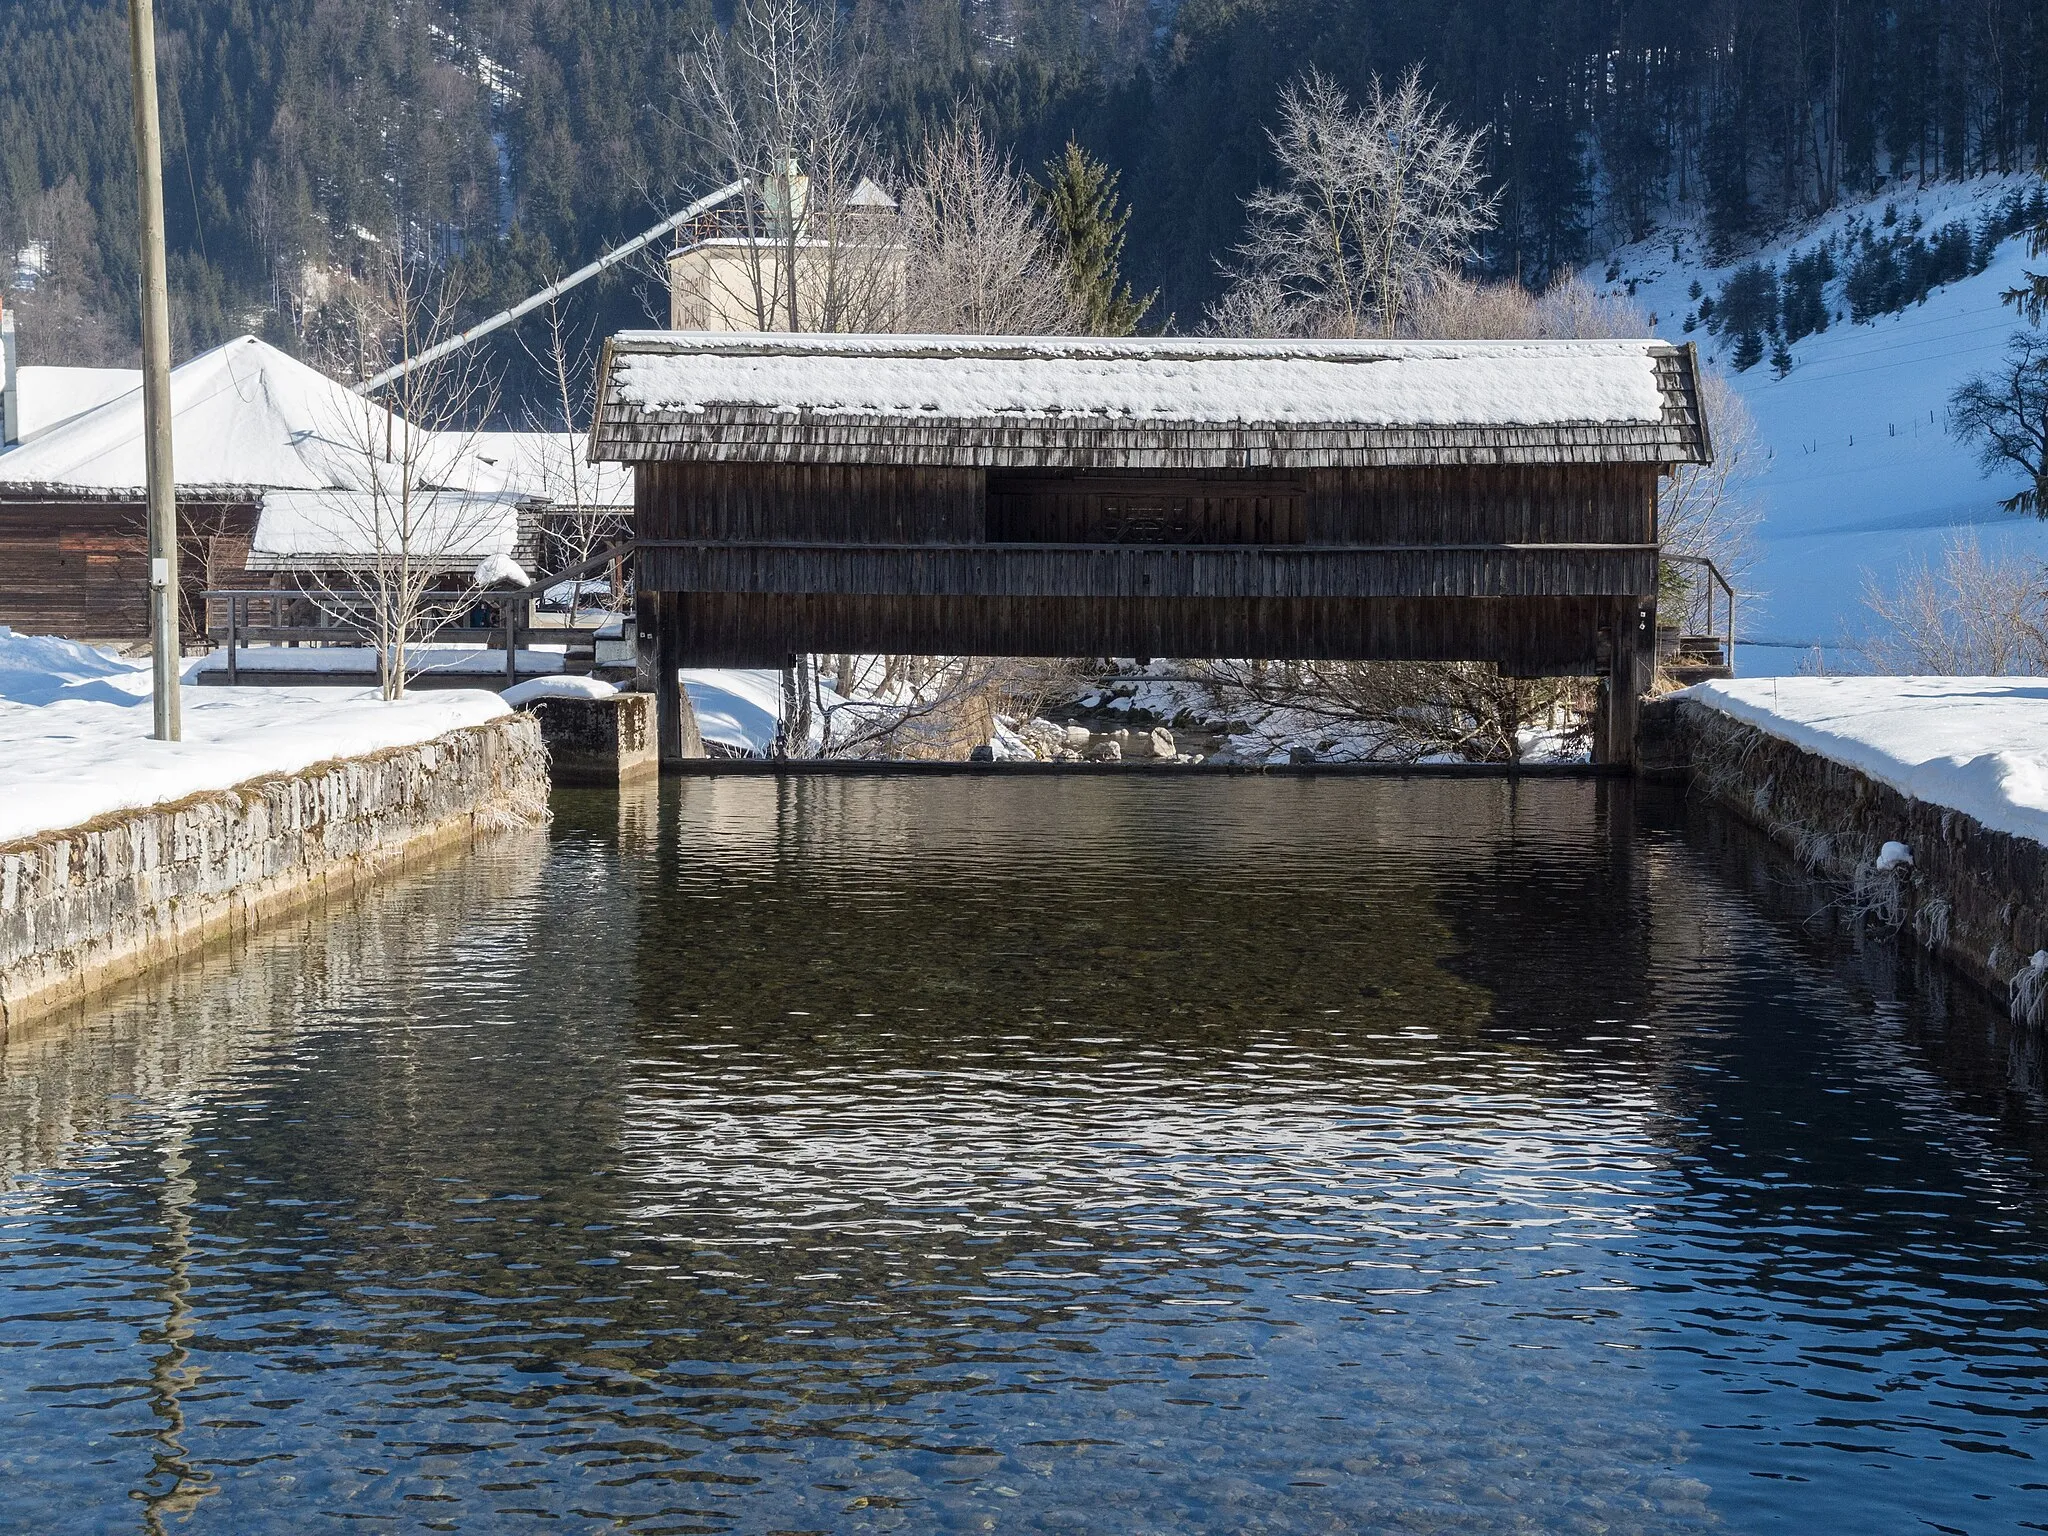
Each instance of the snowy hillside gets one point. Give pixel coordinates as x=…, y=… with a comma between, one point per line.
x=1857, y=474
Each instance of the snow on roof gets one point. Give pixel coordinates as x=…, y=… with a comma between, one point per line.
x=548, y=466
x=250, y=417
x=869, y=194
x=452, y=529
x=50, y=395
x=244, y=414
x=997, y=400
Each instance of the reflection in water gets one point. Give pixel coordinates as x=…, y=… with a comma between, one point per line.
x=1038, y=1155
x=175, y=1486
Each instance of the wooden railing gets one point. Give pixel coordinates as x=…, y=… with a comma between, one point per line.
x=1708, y=611
x=298, y=616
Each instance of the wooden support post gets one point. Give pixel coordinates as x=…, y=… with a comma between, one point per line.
x=1632, y=656
x=511, y=645
x=234, y=613
x=671, y=704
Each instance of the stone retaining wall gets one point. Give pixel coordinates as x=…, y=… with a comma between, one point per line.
x=1971, y=895
x=85, y=907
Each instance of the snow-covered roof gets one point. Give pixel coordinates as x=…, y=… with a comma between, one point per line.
x=300, y=529
x=547, y=466
x=244, y=415
x=249, y=417
x=51, y=395
x=1191, y=403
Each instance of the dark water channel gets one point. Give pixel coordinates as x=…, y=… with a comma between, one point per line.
x=1038, y=1155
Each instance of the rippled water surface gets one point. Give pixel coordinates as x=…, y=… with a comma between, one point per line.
x=1046, y=1155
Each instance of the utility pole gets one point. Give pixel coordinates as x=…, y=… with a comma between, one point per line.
x=156, y=376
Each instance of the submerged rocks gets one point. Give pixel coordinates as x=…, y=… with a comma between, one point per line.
x=1051, y=742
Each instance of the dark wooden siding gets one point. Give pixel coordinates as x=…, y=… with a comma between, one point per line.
x=1144, y=509
x=1570, y=504
x=1531, y=637
x=80, y=568
x=831, y=503
x=869, y=504
x=1521, y=565
x=1057, y=570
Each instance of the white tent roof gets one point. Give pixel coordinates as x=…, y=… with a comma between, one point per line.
x=454, y=529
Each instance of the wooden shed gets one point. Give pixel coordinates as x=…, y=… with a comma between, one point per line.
x=1487, y=501
x=74, y=561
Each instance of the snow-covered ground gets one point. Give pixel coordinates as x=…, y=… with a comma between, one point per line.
x=740, y=707
x=1858, y=477
x=1978, y=745
x=75, y=733
x=477, y=661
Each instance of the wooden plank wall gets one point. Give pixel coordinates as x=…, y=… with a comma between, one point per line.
x=1498, y=504
x=1145, y=509
x=1147, y=571
x=1527, y=636
x=1380, y=563
x=813, y=503
x=80, y=568
x=889, y=504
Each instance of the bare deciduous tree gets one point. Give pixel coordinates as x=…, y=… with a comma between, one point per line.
x=2005, y=413
x=1376, y=204
x=775, y=102
x=1404, y=711
x=1712, y=509
x=1457, y=308
x=1971, y=614
x=918, y=707
x=408, y=524
x=579, y=523
x=983, y=260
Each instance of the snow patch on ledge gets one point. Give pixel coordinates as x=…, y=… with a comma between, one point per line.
x=1978, y=745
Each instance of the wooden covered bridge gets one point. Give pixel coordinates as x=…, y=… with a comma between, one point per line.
x=1481, y=501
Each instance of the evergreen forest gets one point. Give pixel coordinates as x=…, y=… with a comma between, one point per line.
x=518, y=138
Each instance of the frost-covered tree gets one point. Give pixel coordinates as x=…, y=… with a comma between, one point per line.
x=983, y=259
x=1376, y=203
x=2005, y=413
x=775, y=101
x=1972, y=614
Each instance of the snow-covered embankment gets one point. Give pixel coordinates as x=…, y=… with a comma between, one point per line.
x=1926, y=796
x=118, y=852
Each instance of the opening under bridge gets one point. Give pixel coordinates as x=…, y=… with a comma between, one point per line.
x=1018, y=496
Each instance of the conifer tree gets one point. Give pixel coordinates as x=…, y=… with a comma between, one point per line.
x=2031, y=297
x=1078, y=198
